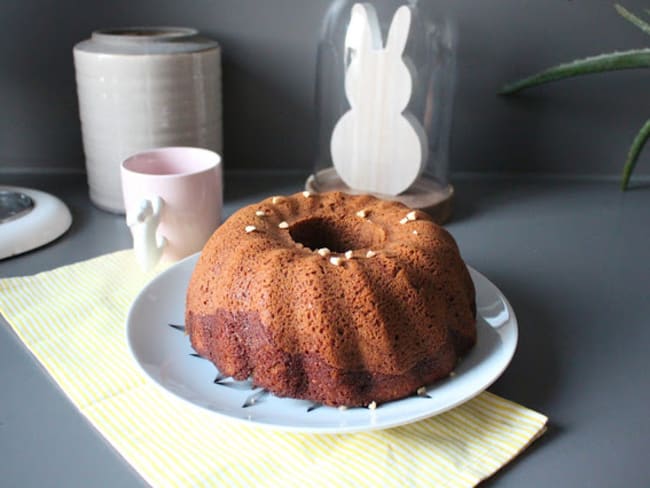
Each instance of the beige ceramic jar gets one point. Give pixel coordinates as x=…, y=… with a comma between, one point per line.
x=141, y=88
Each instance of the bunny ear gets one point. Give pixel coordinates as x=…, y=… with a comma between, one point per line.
x=363, y=32
x=399, y=30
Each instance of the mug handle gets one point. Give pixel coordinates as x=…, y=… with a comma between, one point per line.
x=143, y=222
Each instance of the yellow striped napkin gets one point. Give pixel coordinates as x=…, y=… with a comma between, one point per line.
x=72, y=319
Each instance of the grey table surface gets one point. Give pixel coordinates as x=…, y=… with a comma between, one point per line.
x=573, y=257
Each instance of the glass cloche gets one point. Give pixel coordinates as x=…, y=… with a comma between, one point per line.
x=385, y=84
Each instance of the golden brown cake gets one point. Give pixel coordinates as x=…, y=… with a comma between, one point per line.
x=338, y=299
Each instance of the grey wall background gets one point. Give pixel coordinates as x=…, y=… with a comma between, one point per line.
x=574, y=127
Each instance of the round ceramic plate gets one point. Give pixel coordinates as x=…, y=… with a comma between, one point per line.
x=161, y=349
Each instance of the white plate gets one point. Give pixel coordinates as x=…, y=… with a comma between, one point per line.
x=164, y=354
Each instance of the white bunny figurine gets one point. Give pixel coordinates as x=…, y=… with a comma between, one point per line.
x=376, y=146
x=144, y=223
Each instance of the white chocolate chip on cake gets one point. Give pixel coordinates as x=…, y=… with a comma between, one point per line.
x=411, y=215
x=260, y=213
x=348, y=254
x=323, y=251
x=250, y=228
x=306, y=194
x=275, y=200
x=362, y=214
x=422, y=391
x=372, y=406
x=415, y=232
x=336, y=261
x=404, y=221
x=371, y=253
x=283, y=225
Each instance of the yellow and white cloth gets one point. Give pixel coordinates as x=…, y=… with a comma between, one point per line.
x=72, y=319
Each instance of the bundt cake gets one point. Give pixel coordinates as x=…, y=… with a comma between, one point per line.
x=334, y=298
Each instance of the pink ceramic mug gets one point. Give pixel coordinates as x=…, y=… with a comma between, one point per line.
x=173, y=199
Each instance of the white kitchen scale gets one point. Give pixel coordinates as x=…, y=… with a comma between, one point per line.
x=29, y=219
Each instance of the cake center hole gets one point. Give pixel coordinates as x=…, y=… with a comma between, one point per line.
x=337, y=236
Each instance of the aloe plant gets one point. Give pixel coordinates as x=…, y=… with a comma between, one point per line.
x=635, y=58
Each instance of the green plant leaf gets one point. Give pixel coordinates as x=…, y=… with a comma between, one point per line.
x=627, y=15
x=633, y=155
x=635, y=58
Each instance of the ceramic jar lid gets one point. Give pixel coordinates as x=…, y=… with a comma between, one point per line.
x=146, y=41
